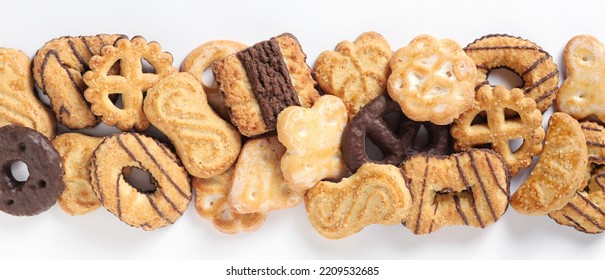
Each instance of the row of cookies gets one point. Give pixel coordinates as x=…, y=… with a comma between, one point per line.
x=271, y=170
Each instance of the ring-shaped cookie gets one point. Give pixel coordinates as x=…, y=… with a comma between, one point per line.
x=148, y=210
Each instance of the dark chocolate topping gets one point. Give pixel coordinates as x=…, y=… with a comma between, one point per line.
x=576, y=224
x=269, y=78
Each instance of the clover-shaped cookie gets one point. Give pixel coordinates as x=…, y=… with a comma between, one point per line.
x=312, y=138
x=132, y=83
x=356, y=72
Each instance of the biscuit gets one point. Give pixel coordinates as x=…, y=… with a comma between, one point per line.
x=131, y=84
x=581, y=94
x=534, y=65
x=585, y=212
x=396, y=144
x=211, y=203
x=200, y=59
x=559, y=171
x=149, y=209
x=19, y=104
x=376, y=194
x=312, y=138
x=58, y=68
x=75, y=150
x=470, y=188
x=432, y=80
x=595, y=141
x=258, y=184
x=42, y=187
x=356, y=72
x=206, y=144
x=498, y=130
x=262, y=80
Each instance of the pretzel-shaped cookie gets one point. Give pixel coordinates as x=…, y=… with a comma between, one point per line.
x=498, y=130
x=132, y=82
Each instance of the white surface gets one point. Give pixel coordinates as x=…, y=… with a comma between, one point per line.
x=319, y=25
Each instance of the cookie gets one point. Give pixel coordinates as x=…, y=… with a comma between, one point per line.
x=559, y=171
x=262, y=80
x=585, y=212
x=356, y=72
x=58, y=68
x=146, y=209
x=44, y=183
x=432, y=80
x=206, y=144
x=131, y=84
x=312, y=139
x=258, y=184
x=75, y=150
x=497, y=131
x=581, y=94
x=201, y=59
x=212, y=204
x=19, y=104
x=595, y=141
x=396, y=144
x=376, y=194
x=470, y=188
x=534, y=65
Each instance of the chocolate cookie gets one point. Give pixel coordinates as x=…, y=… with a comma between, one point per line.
x=45, y=182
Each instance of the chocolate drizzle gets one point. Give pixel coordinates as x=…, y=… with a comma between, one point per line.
x=269, y=78
x=470, y=189
x=584, y=127
x=77, y=54
x=424, y=177
x=586, y=217
x=58, y=58
x=542, y=80
x=460, y=212
x=576, y=224
x=591, y=204
x=595, y=144
x=119, y=203
x=489, y=203
x=157, y=210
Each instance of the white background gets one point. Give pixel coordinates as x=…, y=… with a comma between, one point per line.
x=319, y=25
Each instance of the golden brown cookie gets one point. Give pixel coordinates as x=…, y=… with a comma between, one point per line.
x=200, y=59
x=58, y=68
x=559, y=171
x=356, y=72
x=258, y=184
x=19, y=105
x=534, y=65
x=498, y=130
x=376, y=194
x=470, y=188
x=131, y=84
x=211, y=203
x=149, y=209
x=595, y=141
x=432, y=80
x=262, y=80
x=206, y=144
x=75, y=150
x=312, y=138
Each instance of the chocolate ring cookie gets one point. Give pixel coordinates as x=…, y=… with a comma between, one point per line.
x=528, y=60
x=397, y=145
x=147, y=209
x=42, y=188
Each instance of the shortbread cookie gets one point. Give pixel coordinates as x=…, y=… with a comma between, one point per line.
x=19, y=105
x=534, y=65
x=498, y=130
x=376, y=194
x=75, y=150
x=586, y=211
x=258, y=184
x=356, y=72
x=595, y=141
x=432, y=80
x=58, y=68
x=582, y=93
x=200, y=59
x=211, y=203
x=41, y=189
x=470, y=188
x=395, y=144
x=262, y=80
x=312, y=138
x=131, y=83
x=148, y=210
x=206, y=144
x=559, y=171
